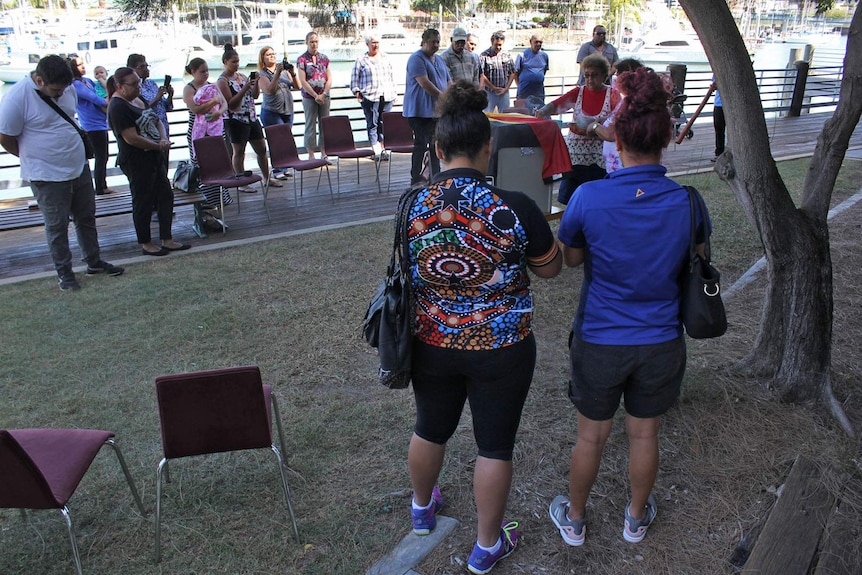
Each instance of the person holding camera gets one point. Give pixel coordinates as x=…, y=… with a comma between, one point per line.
x=275, y=83
x=242, y=125
x=373, y=84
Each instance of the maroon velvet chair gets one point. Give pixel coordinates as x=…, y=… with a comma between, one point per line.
x=212, y=412
x=41, y=469
x=338, y=136
x=216, y=169
x=283, y=155
x=398, y=137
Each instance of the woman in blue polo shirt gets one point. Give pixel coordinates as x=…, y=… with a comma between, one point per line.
x=631, y=232
x=93, y=117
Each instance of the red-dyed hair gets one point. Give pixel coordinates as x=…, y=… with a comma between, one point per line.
x=643, y=123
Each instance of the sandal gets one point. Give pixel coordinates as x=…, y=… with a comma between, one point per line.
x=274, y=183
x=247, y=190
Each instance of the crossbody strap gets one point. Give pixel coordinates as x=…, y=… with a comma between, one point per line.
x=60, y=111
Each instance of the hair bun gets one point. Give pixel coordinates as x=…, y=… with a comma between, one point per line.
x=462, y=96
x=228, y=46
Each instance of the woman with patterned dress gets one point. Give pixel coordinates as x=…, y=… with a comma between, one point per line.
x=591, y=105
x=242, y=126
x=315, y=80
x=470, y=247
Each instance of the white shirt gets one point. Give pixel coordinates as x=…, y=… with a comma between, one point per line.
x=49, y=148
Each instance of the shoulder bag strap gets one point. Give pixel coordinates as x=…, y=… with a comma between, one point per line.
x=60, y=111
x=695, y=199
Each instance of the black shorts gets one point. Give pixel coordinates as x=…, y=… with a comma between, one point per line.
x=648, y=377
x=241, y=133
x=495, y=382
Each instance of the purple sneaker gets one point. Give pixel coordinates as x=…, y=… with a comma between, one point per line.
x=481, y=562
x=425, y=520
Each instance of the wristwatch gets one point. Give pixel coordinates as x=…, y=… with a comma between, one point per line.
x=594, y=126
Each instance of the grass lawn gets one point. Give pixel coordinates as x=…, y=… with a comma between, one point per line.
x=294, y=307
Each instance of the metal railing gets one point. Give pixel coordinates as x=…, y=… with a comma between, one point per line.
x=783, y=92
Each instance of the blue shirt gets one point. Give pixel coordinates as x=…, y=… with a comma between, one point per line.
x=91, y=107
x=417, y=102
x=634, y=226
x=531, y=67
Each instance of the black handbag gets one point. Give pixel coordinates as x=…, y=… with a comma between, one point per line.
x=388, y=323
x=89, y=150
x=701, y=308
x=186, y=177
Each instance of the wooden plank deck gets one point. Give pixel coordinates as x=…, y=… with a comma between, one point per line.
x=25, y=254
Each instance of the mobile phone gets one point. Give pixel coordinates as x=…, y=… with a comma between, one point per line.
x=167, y=81
x=252, y=76
x=285, y=64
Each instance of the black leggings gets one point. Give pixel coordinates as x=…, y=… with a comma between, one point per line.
x=495, y=382
x=148, y=182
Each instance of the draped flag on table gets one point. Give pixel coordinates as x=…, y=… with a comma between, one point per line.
x=522, y=131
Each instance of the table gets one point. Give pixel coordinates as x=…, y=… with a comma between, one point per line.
x=523, y=131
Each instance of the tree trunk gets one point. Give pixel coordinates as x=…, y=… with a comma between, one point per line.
x=794, y=343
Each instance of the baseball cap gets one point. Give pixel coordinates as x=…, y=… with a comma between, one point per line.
x=459, y=34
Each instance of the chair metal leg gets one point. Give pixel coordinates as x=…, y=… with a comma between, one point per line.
x=320, y=175
x=265, y=190
x=221, y=210
x=338, y=173
x=163, y=467
x=389, y=180
x=281, y=465
x=357, y=172
x=128, y=475
x=377, y=170
x=75, y=554
x=329, y=179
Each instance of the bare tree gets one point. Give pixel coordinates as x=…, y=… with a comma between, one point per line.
x=793, y=349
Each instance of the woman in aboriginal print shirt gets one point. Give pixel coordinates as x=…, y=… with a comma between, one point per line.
x=471, y=245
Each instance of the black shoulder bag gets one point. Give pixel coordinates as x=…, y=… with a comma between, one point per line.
x=88, y=146
x=388, y=323
x=701, y=308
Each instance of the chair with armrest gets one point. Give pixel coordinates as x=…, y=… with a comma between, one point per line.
x=283, y=154
x=41, y=469
x=216, y=169
x=338, y=136
x=216, y=411
x=398, y=137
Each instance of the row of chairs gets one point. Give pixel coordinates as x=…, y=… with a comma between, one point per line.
x=200, y=413
x=216, y=168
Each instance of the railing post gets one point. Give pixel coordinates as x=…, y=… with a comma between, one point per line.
x=798, y=88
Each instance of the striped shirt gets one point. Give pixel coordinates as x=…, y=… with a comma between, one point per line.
x=497, y=68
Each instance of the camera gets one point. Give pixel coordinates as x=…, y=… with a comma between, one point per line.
x=167, y=81
x=252, y=76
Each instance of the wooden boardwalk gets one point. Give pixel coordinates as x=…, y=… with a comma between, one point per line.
x=25, y=253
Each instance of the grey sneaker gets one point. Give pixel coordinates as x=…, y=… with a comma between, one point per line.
x=635, y=529
x=69, y=283
x=103, y=267
x=573, y=532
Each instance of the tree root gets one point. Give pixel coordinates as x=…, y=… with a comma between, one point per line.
x=837, y=410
